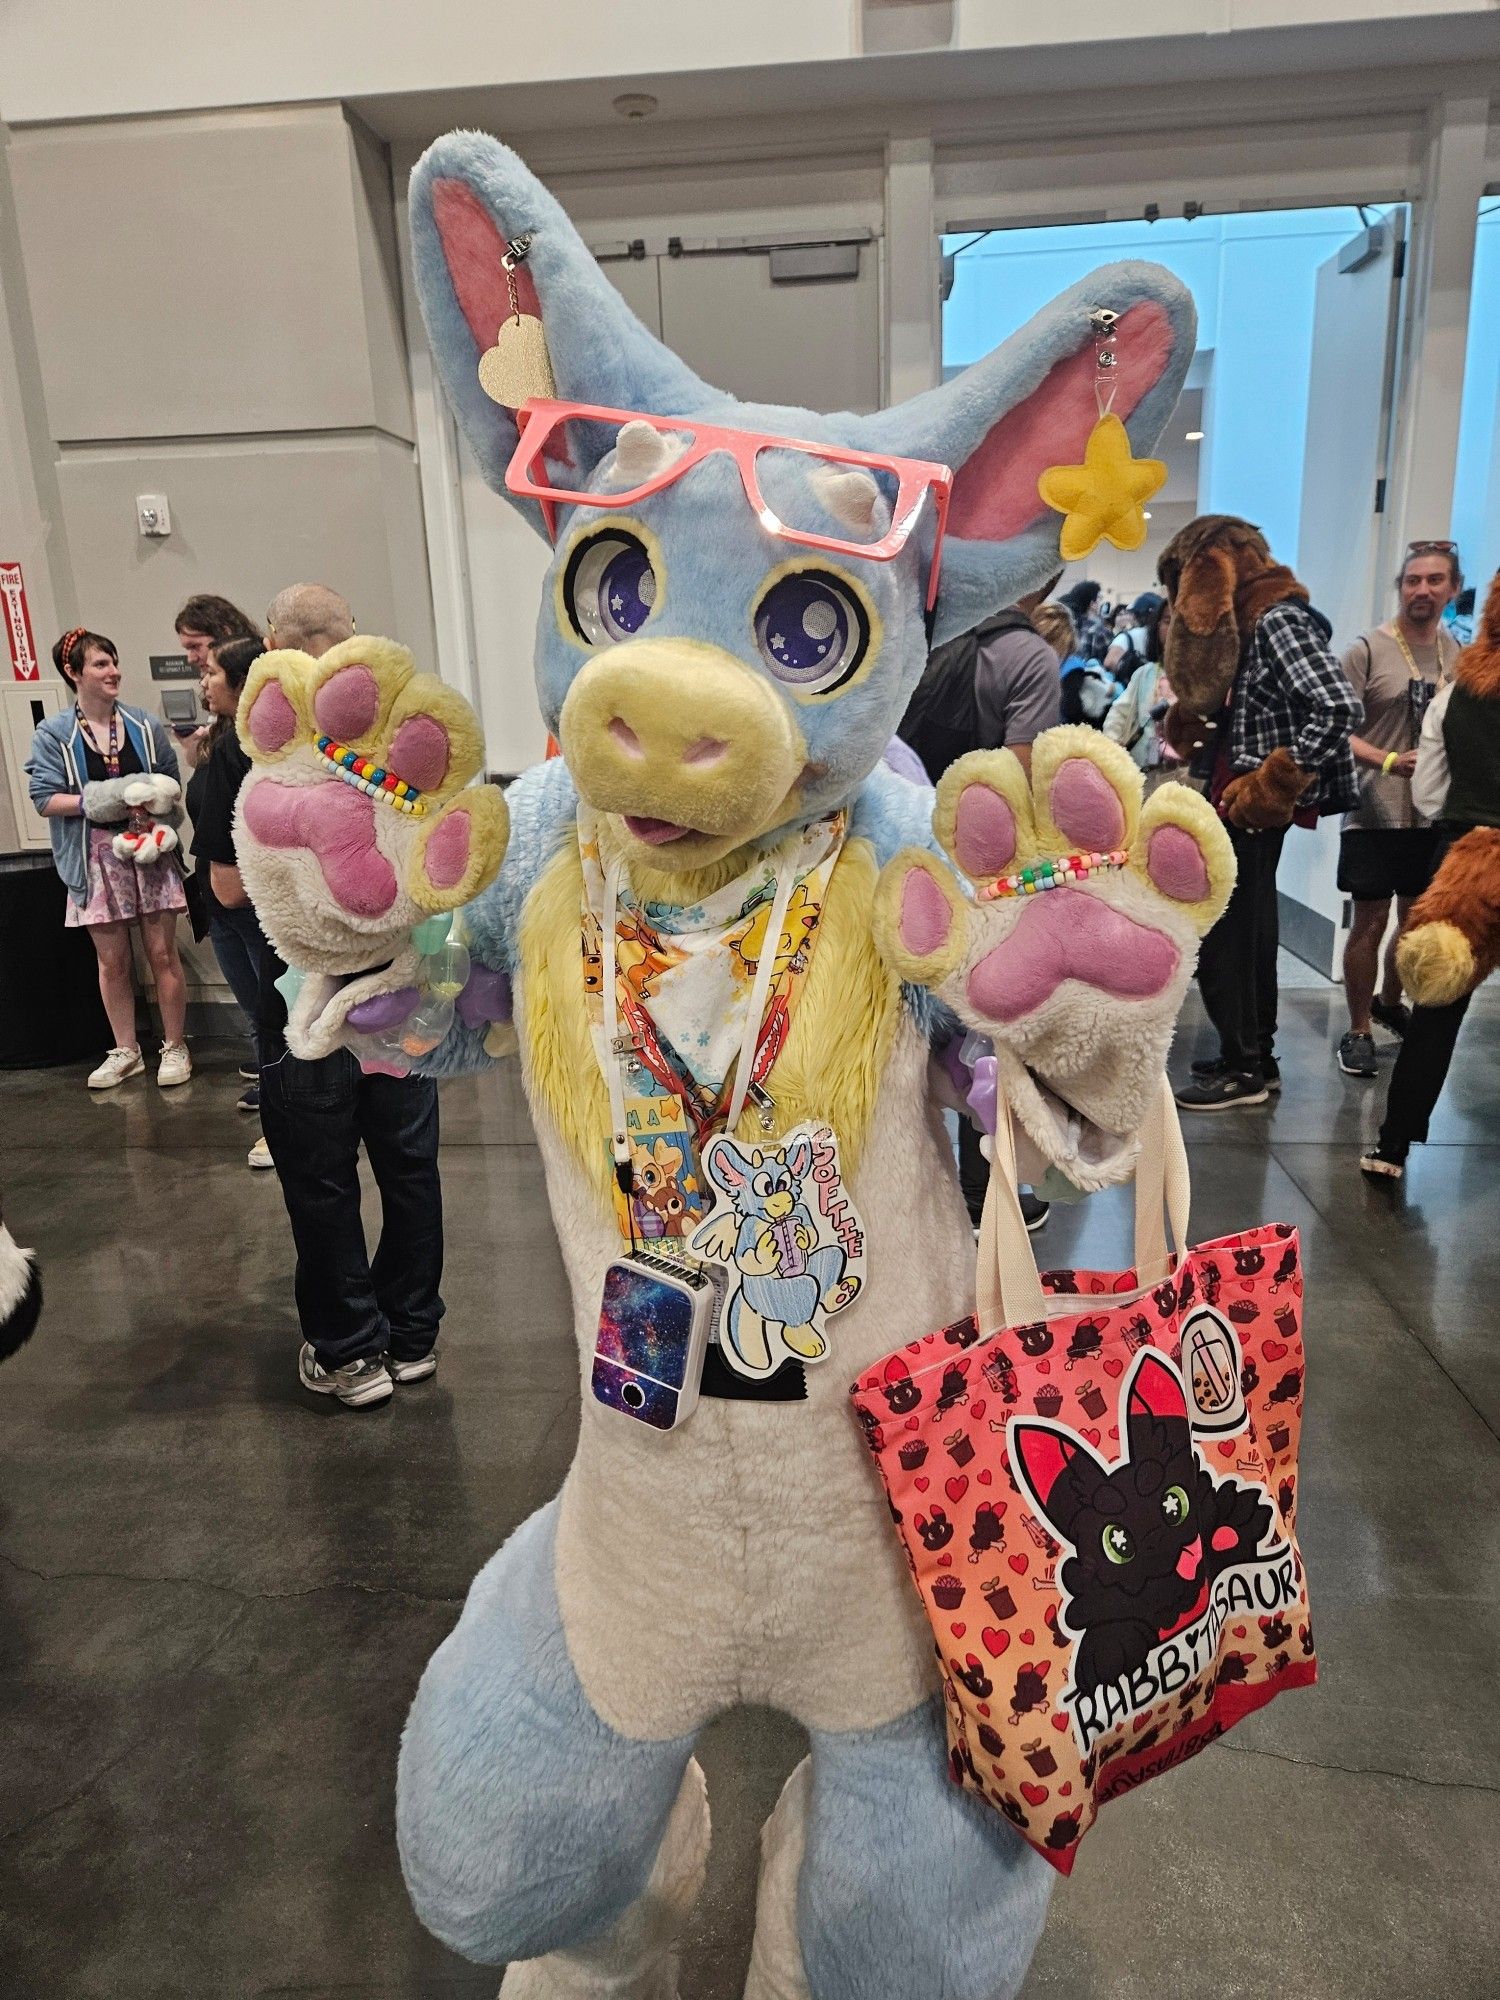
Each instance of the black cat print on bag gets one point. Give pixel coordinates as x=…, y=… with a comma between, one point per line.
x=1150, y=1536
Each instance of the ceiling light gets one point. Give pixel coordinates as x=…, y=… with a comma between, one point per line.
x=635, y=104
x=1193, y=436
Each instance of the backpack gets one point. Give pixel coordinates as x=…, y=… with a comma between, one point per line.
x=942, y=718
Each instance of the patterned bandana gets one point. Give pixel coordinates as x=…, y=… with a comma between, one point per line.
x=683, y=983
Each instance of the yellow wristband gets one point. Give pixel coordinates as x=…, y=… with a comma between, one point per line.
x=1391, y=760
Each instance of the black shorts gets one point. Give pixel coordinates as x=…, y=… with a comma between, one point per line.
x=1375, y=863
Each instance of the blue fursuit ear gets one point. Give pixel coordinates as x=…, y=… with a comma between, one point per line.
x=1030, y=405
x=470, y=196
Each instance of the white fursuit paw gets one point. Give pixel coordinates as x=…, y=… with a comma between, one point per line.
x=1078, y=985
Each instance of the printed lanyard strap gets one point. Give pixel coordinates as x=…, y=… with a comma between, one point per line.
x=765, y=967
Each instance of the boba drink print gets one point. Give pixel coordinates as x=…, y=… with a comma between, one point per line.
x=1110, y=1568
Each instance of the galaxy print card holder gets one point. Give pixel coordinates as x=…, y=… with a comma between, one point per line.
x=654, y=1323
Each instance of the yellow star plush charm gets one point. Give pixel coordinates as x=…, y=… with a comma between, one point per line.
x=1103, y=499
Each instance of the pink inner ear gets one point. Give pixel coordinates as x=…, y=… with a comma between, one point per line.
x=1086, y=807
x=994, y=495
x=347, y=703
x=1157, y=1389
x=984, y=832
x=925, y=915
x=1044, y=1456
x=472, y=248
x=273, y=720
x=419, y=753
x=1174, y=862
x=448, y=851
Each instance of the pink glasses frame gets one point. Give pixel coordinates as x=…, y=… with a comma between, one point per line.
x=916, y=477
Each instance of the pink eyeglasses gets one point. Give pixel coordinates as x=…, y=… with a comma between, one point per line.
x=541, y=421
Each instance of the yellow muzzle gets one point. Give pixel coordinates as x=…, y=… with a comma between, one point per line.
x=680, y=731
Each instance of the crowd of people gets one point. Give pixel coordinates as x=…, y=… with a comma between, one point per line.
x=1303, y=732
x=1299, y=733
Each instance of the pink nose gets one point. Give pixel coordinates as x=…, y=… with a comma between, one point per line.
x=337, y=825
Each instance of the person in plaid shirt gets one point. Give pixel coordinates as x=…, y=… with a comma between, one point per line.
x=1264, y=713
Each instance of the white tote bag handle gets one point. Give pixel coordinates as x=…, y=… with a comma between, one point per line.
x=1009, y=1291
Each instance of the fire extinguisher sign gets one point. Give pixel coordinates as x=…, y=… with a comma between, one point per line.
x=23, y=663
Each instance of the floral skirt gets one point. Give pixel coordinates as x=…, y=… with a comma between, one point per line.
x=119, y=892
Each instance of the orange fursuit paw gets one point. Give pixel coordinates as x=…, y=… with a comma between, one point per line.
x=1265, y=799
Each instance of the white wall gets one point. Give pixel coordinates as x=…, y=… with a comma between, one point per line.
x=1476, y=494
x=73, y=59
x=214, y=308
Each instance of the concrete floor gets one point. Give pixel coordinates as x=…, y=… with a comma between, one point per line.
x=218, y=1595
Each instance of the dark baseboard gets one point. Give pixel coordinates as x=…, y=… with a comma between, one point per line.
x=214, y=1018
x=1307, y=934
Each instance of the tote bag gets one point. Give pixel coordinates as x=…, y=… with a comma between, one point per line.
x=1094, y=1478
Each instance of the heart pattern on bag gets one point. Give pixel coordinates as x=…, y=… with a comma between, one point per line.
x=1196, y=1670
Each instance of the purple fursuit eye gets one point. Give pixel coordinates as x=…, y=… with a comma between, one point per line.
x=609, y=587
x=812, y=631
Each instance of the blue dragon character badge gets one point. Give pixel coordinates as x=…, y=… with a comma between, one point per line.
x=792, y=1245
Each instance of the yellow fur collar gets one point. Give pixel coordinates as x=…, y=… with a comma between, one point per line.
x=835, y=1054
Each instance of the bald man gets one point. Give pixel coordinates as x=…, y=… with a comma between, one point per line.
x=308, y=618
x=366, y=1323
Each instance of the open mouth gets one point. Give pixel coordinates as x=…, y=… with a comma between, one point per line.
x=655, y=832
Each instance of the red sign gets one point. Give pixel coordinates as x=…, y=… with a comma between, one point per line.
x=23, y=664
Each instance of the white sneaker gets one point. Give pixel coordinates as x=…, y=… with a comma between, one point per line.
x=356, y=1383
x=114, y=1069
x=176, y=1065
x=250, y=1075
x=259, y=1155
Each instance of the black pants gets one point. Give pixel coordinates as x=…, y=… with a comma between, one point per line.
x=1237, y=961
x=1420, y=1073
x=315, y=1116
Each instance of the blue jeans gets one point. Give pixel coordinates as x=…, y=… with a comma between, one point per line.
x=315, y=1116
x=239, y=946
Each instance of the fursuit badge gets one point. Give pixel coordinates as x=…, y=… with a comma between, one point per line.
x=792, y=1246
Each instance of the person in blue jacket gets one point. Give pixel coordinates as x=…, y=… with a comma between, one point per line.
x=95, y=770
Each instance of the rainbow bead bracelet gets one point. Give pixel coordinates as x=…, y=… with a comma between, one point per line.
x=367, y=776
x=1053, y=874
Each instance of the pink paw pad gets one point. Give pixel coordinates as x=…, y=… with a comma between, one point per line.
x=273, y=720
x=448, y=851
x=984, y=833
x=347, y=703
x=925, y=915
x=1086, y=808
x=1175, y=864
x=419, y=752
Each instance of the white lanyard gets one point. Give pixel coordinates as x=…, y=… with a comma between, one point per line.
x=617, y=1045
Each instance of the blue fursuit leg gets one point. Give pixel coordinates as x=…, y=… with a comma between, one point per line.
x=908, y=1885
x=525, y=1824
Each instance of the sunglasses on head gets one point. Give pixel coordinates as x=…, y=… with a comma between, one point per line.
x=541, y=468
x=1431, y=548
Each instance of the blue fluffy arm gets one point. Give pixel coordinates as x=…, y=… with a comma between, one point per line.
x=543, y=805
x=893, y=812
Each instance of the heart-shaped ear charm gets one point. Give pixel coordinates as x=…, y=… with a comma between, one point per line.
x=518, y=366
